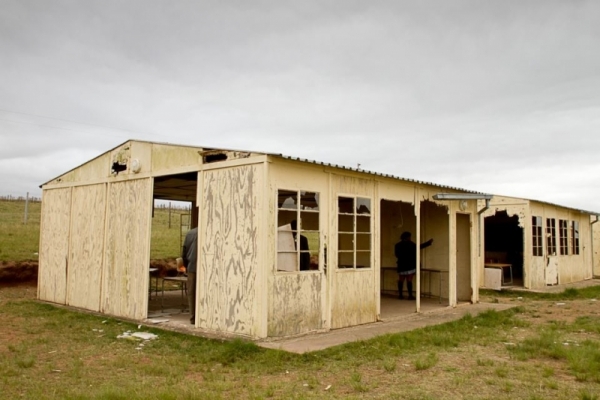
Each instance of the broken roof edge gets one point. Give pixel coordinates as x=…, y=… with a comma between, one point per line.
x=200, y=148
x=596, y=213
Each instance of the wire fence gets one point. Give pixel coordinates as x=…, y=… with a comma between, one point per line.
x=21, y=198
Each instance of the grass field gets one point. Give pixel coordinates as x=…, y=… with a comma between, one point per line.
x=544, y=348
x=20, y=242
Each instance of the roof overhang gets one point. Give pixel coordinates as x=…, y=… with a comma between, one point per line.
x=462, y=196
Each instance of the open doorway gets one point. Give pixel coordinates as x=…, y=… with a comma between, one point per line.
x=398, y=217
x=174, y=213
x=504, y=246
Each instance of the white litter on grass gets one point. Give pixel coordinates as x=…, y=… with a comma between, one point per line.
x=137, y=335
x=560, y=304
x=305, y=385
x=328, y=387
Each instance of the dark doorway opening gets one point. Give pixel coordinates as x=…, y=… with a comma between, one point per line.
x=504, y=243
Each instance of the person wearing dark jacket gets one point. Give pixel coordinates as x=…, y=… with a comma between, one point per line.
x=406, y=254
x=189, y=253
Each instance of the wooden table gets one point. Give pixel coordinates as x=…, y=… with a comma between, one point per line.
x=502, y=267
x=430, y=271
x=153, y=274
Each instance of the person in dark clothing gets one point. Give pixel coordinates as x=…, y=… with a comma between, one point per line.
x=189, y=253
x=406, y=254
x=304, y=251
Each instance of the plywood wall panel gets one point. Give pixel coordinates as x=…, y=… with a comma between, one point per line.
x=297, y=304
x=127, y=250
x=54, y=245
x=355, y=299
x=227, y=270
x=167, y=157
x=96, y=169
x=86, y=246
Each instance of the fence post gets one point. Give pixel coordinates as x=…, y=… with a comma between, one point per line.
x=169, y=215
x=26, y=208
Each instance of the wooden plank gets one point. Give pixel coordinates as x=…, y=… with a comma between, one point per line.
x=54, y=245
x=86, y=246
x=228, y=260
x=125, y=273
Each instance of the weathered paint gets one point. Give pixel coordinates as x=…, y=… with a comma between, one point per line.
x=301, y=311
x=297, y=300
x=540, y=271
x=54, y=245
x=227, y=270
x=353, y=292
x=127, y=250
x=86, y=247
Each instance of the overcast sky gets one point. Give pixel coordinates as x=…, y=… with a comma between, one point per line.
x=494, y=96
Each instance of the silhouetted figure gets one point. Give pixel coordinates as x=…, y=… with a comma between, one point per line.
x=406, y=254
x=304, y=253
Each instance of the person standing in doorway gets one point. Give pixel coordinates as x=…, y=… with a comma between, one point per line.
x=189, y=253
x=406, y=255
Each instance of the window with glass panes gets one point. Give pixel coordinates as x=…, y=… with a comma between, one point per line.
x=563, y=239
x=354, y=232
x=551, y=236
x=537, y=244
x=298, y=237
x=575, y=237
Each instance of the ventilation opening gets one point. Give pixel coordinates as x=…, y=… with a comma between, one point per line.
x=116, y=168
x=211, y=158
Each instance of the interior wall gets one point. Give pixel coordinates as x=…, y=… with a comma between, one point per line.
x=435, y=224
x=54, y=245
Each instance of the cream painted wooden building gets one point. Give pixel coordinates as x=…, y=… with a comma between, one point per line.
x=253, y=280
x=546, y=244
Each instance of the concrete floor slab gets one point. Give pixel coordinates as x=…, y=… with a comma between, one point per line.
x=320, y=341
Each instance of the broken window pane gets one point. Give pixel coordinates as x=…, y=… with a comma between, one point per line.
x=298, y=242
x=287, y=199
x=309, y=201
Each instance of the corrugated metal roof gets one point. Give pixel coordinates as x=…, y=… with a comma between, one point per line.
x=359, y=170
x=374, y=173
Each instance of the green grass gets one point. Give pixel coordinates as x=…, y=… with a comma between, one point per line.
x=51, y=352
x=20, y=242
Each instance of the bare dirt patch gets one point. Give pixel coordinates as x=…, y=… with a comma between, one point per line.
x=19, y=272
